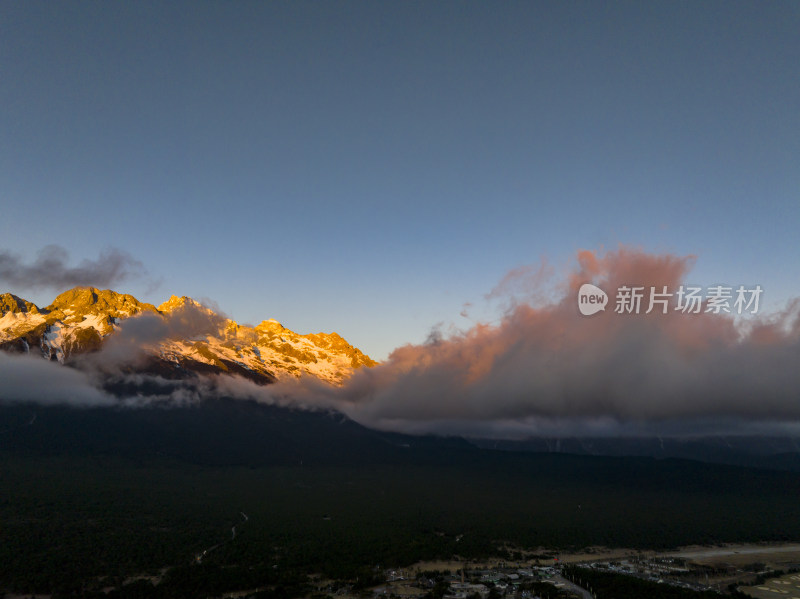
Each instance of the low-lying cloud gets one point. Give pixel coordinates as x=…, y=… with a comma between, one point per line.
x=25, y=378
x=138, y=334
x=546, y=367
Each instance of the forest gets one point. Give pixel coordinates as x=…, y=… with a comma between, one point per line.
x=87, y=504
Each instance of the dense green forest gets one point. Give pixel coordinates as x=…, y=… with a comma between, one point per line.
x=68, y=520
x=89, y=499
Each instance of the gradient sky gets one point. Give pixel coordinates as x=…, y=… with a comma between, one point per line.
x=369, y=167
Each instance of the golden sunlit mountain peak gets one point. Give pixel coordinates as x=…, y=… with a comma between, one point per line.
x=14, y=304
x=80, y=301
x=175, y=302
x=195, y=337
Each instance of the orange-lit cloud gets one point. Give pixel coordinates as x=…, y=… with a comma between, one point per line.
x=545, y=364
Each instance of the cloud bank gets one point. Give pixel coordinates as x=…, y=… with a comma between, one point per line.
x=26, y=378
x=547, y=368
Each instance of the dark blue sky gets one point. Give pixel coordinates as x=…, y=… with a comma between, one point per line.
x=369, y=167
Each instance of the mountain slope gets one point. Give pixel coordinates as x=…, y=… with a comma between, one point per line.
x=180, y=332
x=776, y=453
x=220, y=432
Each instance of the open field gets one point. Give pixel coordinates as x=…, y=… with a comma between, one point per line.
x=786, y=586
x=775, y=555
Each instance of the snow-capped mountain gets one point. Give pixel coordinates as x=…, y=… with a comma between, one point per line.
x=180, y=332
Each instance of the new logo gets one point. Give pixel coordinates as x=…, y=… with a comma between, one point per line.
x=591, y=299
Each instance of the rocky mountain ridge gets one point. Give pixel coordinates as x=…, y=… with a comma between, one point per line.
x=180, y=332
